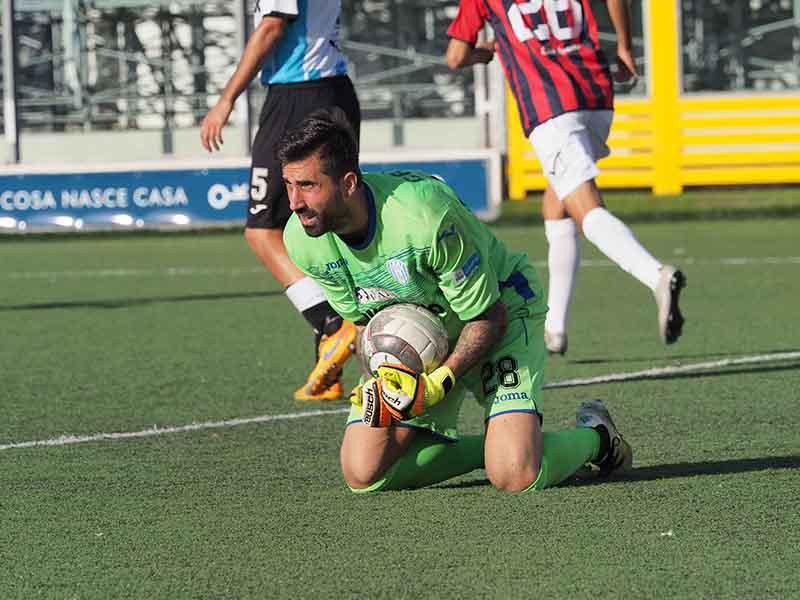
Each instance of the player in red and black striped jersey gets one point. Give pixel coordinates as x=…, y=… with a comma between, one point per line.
x=550, y=52
x=551, y=55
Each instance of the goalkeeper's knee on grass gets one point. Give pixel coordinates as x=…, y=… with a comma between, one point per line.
x=382, y=483
x=429, y=460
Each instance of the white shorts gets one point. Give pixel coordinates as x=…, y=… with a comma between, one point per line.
x=569, y=146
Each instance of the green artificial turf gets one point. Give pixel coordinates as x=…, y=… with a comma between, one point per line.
x=123, y=333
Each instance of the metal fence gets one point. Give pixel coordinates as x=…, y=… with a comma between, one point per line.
x=126, y=64
x=751, y=45
x=130, y=65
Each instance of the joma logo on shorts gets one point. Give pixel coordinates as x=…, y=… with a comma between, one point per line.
x=510, y=396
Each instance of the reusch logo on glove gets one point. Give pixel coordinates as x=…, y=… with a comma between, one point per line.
x=368, y=404
x=398, y=401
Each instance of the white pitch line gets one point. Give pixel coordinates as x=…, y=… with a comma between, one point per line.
x=126, y=272
x=68, y=439
x=236, y=271
x=654, y=373
x=658, y=372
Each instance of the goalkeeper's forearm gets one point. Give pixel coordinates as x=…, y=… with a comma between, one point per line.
x=477, y=339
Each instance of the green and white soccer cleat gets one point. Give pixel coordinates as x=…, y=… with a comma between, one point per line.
x=619, y=454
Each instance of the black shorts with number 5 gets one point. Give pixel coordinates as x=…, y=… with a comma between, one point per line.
x=286, y=105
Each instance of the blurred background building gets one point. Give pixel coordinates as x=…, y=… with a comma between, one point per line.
x=129, y=65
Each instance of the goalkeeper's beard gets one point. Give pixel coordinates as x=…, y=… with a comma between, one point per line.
x=335, y=218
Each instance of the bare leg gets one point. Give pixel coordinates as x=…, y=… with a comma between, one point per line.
x=519, y=457
x=513, y=451
x=552, y=208
x=368, y=452
x=309, y=299
x=584, y=199
x=267, y=245
x=401, y=458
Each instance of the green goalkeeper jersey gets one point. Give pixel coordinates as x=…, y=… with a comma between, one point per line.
x=423, y=246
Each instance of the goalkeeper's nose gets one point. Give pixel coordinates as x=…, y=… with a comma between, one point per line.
x=296, y=203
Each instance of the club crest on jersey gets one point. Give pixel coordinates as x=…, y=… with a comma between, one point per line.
x=371, y=295
x=399, y=270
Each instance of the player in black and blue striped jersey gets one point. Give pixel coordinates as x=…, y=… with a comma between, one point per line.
x=295, y=46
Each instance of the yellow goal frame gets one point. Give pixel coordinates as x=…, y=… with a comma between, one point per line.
x=669, y=140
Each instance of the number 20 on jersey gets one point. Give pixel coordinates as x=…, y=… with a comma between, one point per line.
x=547, y=22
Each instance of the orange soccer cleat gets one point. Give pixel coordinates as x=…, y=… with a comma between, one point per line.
x=323, y=383
x=334, y=392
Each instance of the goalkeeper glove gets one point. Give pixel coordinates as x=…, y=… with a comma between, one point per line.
x=398, y=394
x=407, y=394
x=367, y=397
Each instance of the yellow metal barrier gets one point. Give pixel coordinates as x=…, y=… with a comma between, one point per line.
x=667, y=141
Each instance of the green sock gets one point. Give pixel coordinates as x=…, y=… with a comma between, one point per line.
x=563, y=453
x=428, y=461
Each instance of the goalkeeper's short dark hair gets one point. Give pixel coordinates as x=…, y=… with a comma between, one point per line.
x=328, y=132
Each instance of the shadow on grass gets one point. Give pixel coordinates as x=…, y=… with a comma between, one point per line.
x=671, y=471
x=687, y=469
x=128, y=302
x=462, y=485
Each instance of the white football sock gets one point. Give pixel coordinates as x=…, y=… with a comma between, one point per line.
x=614, y=239
x=305, y=293
x=563, y=258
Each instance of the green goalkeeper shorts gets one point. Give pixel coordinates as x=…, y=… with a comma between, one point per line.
x=508, y=381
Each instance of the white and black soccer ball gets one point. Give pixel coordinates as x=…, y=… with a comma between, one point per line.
x=407, y=334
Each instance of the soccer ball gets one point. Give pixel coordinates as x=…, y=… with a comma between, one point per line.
x=407, y=334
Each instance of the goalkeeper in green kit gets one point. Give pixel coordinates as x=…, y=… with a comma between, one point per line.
x=376, y=239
